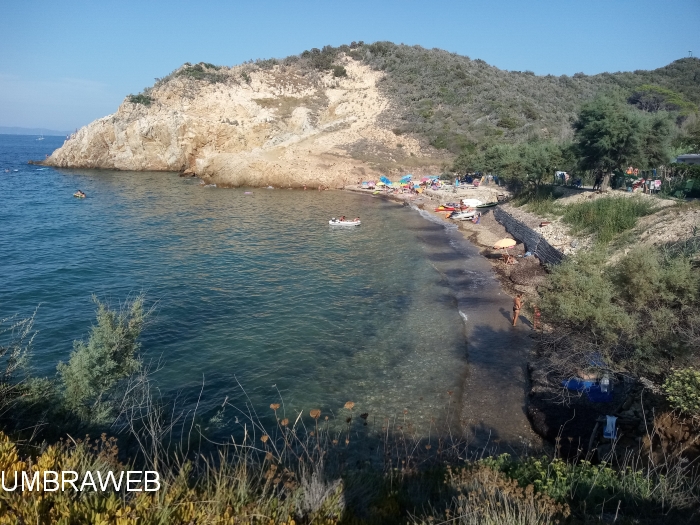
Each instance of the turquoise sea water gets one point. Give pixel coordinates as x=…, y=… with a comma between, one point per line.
x=256, y=290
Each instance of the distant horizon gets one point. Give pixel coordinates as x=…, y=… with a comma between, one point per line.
x=19, y=130
x=72, y=70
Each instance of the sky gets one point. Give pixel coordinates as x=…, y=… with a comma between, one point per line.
x=66, y=63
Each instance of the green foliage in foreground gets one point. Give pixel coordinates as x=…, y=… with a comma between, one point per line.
x=642, y=314
x=245, y=485
x=96, y=368
x=607, y=217
x=682, y=389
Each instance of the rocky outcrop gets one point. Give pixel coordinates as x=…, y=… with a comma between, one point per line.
x=283, y=126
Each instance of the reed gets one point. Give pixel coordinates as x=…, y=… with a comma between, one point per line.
x=607, y=217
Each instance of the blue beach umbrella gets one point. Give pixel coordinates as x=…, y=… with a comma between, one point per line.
x=405, y=178
x=385, y=180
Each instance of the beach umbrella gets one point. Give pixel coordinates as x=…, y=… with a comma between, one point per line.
x=405, y=178
x=385, y=180
x=505, y=243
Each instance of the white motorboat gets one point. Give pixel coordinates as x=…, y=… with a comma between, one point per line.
x=338, y=222
x=472, y=203
x=463, y=215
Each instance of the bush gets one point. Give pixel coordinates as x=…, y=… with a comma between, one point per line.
x=146, y=100
x=682, y=388
x=95, y=369
x=16, y=337
x=339, y=71
x=641, y=314
x=203, y=71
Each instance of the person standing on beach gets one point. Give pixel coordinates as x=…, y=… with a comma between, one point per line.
x=517, y=305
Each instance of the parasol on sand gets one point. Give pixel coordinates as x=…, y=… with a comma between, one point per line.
x=504, y=244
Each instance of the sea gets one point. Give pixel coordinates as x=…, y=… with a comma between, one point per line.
x=255, y=299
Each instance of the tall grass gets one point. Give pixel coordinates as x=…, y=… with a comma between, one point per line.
x=607, y=217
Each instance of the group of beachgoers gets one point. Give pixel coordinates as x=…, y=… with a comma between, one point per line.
x=80, y=194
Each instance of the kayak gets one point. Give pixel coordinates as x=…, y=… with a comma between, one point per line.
x=445, y=208
x=338, y=222
x=77, y=196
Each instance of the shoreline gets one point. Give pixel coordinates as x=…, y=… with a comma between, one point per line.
x=497, y=352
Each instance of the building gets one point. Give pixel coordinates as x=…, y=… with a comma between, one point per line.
x=689, y=158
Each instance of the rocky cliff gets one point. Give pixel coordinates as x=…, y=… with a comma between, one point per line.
x=251, y=126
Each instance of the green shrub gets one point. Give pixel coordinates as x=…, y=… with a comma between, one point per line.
x=202, y=71
x=95, y=369
x=682, y=388
x=607, y=217
x=339, y=71
x=641, y=314
x=508, y=122
x=146, y=100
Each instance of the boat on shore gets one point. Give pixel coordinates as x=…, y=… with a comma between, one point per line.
x=463, y=215
x=488, y=204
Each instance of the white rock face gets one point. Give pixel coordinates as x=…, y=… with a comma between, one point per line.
x=281, y=128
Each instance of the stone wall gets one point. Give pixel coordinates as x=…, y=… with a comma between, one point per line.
x=533, y=241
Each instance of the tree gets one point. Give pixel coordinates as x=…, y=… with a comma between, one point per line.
x=608, y=135
x=655, y=142
x=95, y=369
x=522, y=164
x=540, y=160
x=611, y=136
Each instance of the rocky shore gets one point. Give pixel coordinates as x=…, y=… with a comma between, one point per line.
x=284, y=126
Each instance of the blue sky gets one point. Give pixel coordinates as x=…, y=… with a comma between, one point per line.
x=66, y=63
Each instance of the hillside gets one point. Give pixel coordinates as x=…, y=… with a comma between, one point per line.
x=334, y=115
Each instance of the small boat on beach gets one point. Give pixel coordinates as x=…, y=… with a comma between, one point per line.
x=488, y=204
x=463, y=215
x=338, y=222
